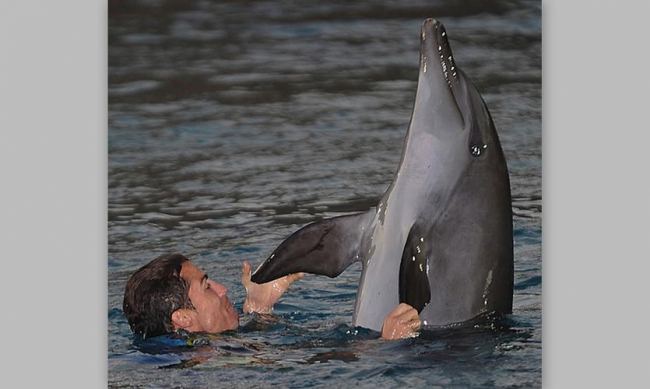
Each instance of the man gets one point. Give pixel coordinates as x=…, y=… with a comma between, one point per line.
x=170, y=293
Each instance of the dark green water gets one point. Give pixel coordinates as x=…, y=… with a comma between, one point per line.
x=233, y=124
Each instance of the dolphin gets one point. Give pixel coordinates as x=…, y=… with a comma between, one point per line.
x=440, y=239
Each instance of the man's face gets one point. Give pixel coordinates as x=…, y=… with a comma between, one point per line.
x=214, y=312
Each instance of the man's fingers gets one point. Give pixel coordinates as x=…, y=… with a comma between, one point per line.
x=409, y=314
x=400, y=309
x=411, y=327
x=415, y=324
x=295, y=277
x=291, y=278
x=401, y=322
x=246, y=273
x=410, y=319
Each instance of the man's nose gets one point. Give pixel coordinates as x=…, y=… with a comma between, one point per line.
x=218, y=288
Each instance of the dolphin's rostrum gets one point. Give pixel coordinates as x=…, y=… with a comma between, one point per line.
x=440, y=239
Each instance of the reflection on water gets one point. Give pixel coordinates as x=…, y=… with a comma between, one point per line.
x=231, y=125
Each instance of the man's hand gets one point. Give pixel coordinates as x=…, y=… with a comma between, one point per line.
x=260, y=298
x=402, y=322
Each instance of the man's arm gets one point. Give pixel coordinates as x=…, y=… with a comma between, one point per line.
x=260, y=298
x=402, y=322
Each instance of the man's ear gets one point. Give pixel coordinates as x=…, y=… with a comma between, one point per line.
x=183, y=318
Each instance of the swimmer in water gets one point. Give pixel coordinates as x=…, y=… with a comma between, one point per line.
x=170, y=293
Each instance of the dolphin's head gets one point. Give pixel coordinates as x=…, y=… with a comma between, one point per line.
x=448, y=105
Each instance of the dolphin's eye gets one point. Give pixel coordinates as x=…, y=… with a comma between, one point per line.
x=477, y=150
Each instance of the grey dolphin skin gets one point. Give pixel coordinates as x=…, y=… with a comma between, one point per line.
x=440, y=239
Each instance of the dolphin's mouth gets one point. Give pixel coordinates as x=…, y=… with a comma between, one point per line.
x=447, y=63
x=436, y=49
x=437, y=57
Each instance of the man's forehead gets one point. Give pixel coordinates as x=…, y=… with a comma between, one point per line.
x=189, y=271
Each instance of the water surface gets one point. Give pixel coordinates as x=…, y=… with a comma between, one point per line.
x=232, y=125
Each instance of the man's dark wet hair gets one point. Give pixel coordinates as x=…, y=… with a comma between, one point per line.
x=153, y=293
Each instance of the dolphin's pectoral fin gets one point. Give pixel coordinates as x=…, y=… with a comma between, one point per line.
x=326, y=247
x=413, y=281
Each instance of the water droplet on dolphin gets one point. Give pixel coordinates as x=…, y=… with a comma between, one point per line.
x=476, y=150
